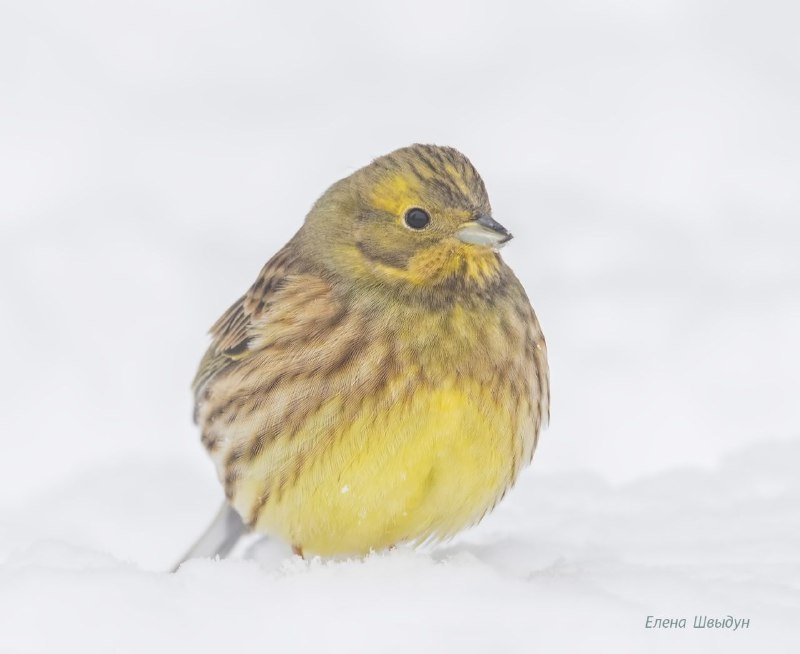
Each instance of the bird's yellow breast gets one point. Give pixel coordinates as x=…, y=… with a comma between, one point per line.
x=425, y=468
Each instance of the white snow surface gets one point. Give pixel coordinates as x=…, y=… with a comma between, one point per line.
x=646, y=155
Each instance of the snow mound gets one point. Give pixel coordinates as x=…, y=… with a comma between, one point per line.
x=567, y=562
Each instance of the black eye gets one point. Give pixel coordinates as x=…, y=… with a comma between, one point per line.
x=417, y=218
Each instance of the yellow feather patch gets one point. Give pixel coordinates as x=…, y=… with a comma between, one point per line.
x=458, y=180
x=434, y=265
x=395, y=193
x=425, y=468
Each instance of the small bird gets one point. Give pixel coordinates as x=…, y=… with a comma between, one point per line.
x=385, y=378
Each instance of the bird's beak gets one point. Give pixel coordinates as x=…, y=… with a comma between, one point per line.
x=484, y=230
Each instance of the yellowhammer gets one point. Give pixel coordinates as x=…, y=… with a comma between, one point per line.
x=385, y=378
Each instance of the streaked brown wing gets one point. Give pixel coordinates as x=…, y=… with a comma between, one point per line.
x=231, y=333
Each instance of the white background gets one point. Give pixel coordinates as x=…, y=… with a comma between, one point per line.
x=646, y=156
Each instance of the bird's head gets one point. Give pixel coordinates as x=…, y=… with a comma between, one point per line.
x=417, y=217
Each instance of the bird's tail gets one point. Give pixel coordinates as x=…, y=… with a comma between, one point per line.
x=219, y=539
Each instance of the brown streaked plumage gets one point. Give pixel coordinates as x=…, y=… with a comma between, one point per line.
x=378, y=383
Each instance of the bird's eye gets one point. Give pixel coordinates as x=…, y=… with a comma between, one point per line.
x=417, y=218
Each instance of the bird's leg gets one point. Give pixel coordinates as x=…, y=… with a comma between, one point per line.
x=297, y=550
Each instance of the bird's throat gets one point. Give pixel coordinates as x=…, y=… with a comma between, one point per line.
x=446, y=264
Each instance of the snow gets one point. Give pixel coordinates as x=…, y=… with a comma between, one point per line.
x=567, y=561
x=644, y=154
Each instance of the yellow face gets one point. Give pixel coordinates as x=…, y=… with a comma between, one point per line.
x=422, y=217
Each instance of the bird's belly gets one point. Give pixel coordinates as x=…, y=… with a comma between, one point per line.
x=423, y=468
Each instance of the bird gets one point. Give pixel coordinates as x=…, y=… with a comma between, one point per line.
x=385, y=379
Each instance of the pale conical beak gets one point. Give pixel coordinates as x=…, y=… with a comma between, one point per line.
x=484, y=230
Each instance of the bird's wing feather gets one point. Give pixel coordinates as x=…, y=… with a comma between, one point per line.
x=231, y=334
